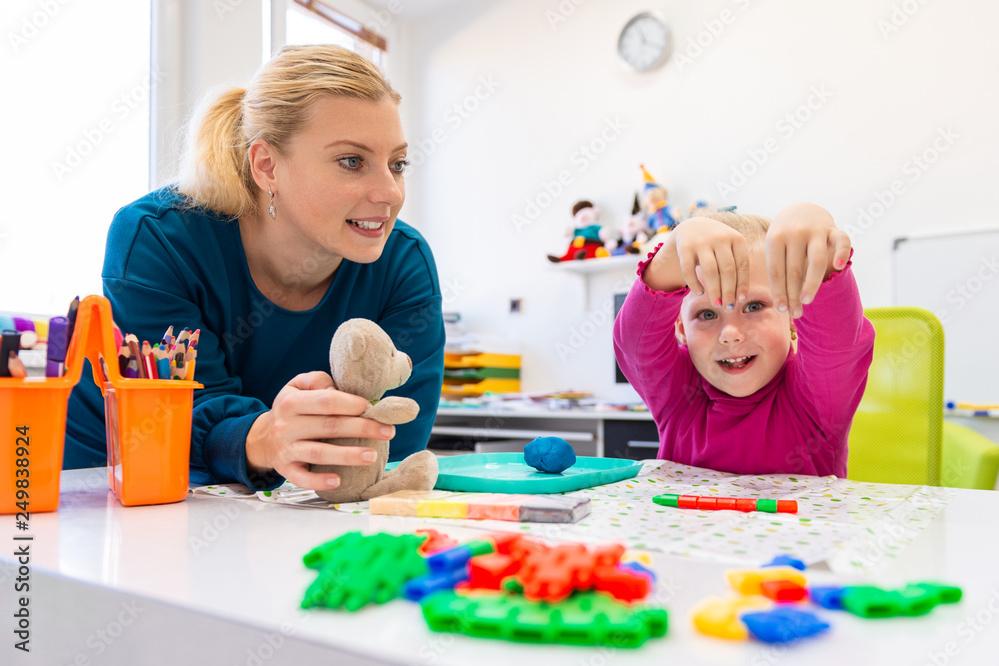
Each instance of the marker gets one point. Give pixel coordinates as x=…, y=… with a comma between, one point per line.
x=71, y=319
x=10, y=346
x=55, y=356
x=22, y=324
x=42, y=329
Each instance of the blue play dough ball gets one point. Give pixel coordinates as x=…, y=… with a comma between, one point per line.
x=553, y=455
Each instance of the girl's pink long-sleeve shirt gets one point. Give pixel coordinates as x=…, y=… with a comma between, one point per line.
x=796, y=424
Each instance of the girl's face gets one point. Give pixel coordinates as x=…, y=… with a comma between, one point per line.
x=340, y=180
x=738, y=351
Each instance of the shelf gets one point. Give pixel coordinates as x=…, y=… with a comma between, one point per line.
x=601, y=265
x=509, y=433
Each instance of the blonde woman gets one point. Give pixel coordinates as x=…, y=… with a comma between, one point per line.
x=281, y=226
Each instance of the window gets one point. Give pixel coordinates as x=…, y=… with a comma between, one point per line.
x=318, y=22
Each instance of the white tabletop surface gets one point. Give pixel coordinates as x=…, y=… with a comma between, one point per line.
x=231, y=566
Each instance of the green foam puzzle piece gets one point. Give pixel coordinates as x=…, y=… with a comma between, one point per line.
x=871, y=602
x=912, y=600
x=947, y=594
x=590, y=618
x=356, y=570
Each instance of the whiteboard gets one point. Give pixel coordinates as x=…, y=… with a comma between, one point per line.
x=955, y=275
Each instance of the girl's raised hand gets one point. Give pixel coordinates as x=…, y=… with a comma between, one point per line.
x=803, y=246
x=713, y=259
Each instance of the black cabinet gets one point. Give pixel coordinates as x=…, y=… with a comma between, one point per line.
x=636, y=440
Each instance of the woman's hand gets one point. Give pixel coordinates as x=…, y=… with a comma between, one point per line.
x=309, y=409
x=803, y=247
x=708, y=256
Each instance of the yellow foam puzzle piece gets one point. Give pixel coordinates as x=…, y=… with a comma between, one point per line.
x=748, y=581
x=719, y=616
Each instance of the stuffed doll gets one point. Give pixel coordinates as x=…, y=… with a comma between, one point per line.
x=365, y=362
x=588, y=237
x=633, y=231
x=656, y=203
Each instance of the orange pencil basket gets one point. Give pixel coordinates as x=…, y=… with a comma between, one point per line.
x=148, y=424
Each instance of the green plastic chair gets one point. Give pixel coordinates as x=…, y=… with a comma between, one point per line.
x=970, y=459
x=898, y=433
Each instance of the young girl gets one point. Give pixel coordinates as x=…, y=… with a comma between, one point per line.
x=747, y=341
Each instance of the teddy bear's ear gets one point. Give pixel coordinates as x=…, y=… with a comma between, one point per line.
x=356, y=347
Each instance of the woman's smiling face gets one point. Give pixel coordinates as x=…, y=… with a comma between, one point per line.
x=737, y=351
x=341, y=179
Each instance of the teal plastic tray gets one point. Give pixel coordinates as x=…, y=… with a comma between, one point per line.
x=508, y=473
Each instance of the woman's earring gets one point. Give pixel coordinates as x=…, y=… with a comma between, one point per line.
x=271, y=210
x=794, y=333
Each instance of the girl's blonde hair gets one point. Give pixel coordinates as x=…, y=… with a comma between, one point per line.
x=215, y=170
x=752, y=227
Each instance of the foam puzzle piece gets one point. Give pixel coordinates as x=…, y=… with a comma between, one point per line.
x=871, y=602
x=355, y=570
x=749, y=581
x=419, y=588
x=783, y=624
x=553, y=573
x=786, y=561
x=947, y=594
x=827, y=596
x=783, y=591
x=591, y=618
x=720, y=616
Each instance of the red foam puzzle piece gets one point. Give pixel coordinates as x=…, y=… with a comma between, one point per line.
x=488, y=571
x=784, y=591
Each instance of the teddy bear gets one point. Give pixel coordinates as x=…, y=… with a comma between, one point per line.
x=365, y=362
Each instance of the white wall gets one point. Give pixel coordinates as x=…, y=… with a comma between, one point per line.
x=882, y=110
x=76, y=84
x=199, y=48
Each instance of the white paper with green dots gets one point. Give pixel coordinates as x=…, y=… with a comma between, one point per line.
x=854, y=527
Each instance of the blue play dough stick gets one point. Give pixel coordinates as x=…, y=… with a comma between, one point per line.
x=552, y=455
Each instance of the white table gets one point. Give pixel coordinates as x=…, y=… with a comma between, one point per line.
x=218, y=581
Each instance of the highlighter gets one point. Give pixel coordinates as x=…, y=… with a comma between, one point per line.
x=58, y=341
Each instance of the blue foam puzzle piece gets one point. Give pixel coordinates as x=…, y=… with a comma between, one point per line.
x=552, y=455
x=418, y=588
x=786, y=561
x=449, y=560
x=783, y=624
x=827, y=596
x=638, y=568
